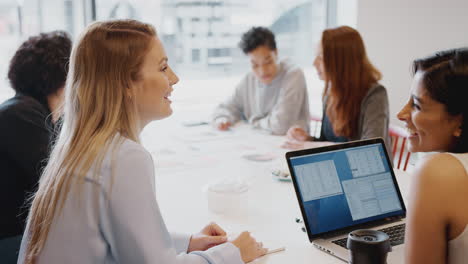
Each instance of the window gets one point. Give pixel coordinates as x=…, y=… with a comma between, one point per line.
x=201, y=37
x=21, y=19
x=195, y=55
x=9, y=35
x=219, y=56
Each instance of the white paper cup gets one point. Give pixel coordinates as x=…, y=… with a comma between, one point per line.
x=227, y=196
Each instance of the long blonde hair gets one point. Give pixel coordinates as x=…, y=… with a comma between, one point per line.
x=98, y=106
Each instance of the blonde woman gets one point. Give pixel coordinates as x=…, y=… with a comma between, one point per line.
x=96, y=198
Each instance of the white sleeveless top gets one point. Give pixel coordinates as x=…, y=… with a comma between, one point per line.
x=458, y=247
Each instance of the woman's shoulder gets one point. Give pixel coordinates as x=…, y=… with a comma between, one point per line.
x=441, y=161
x=375, y=98
x=440, y=170
x=461, y=157
x=377, y=94
x=376, y=89
x=127, y=144
x=125, y=154
x=125, y=149
x=125, y=157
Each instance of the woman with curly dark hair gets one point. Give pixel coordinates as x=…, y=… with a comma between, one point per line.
x=37, y=73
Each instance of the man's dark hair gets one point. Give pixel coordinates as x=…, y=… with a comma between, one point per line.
x=40, y=65
x=255, y=37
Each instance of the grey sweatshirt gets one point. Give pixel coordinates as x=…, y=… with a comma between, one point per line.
x=274, y=107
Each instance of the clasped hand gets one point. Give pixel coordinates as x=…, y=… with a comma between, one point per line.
x=213, y=235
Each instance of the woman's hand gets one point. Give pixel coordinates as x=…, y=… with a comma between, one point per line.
x=210, y=236
x=249, y=248
x=293, y=144
x=296, y=133
x=222, y=123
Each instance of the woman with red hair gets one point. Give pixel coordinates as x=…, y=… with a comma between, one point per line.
x=355, y=105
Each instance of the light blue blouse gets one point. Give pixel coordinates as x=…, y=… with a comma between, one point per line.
x=117, y=220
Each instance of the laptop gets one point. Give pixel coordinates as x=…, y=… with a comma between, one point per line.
x=344, y=187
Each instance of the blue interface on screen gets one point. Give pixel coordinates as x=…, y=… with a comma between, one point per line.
x=346, y=187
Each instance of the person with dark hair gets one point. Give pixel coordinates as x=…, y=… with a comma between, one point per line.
x=273, y=96
x=436, y=117
x=37, y=73
x=355, y=104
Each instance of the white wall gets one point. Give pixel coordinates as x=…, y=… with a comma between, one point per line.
x=397, y=31
x=346, y=12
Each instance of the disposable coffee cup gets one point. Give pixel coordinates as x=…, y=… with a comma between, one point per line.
x=227, y=196
x=368, y=247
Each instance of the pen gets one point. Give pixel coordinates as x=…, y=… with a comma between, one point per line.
x=275, y=250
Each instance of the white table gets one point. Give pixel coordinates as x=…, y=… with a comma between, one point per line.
x=188, y=160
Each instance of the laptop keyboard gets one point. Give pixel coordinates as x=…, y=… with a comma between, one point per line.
x=396, y=234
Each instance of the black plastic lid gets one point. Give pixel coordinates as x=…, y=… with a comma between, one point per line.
x=369, y=240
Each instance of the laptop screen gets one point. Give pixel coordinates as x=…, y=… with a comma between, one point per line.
x=343, y=187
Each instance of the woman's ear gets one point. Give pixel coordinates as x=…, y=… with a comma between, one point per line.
x=459, y=130
x=128, y=93
x=130, y=90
